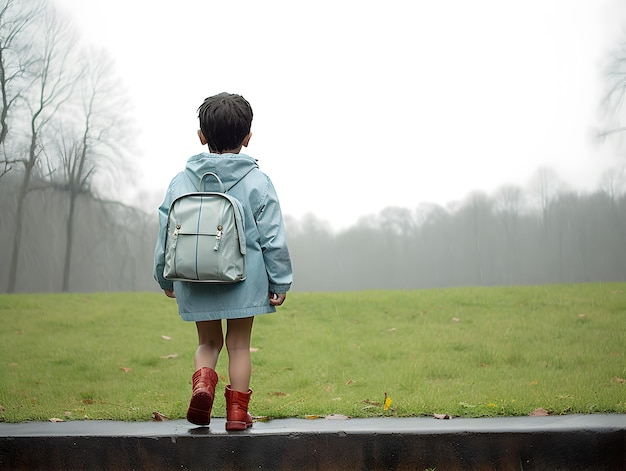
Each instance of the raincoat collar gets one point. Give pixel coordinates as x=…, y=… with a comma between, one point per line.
x=229, y=167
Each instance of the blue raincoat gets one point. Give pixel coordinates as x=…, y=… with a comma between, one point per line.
x=268, y=264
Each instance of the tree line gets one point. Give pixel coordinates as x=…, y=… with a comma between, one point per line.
x=514, y=236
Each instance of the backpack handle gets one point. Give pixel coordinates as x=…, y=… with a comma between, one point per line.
x=200, y=187
x=211, y=174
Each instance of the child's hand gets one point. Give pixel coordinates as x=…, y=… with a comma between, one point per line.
x=169, y=293
x=276, y=299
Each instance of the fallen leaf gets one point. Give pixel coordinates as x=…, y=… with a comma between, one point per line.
x=456, y=319
x=125, y=369
x=1, y=408
x=261, y=418
x=442, y=416
x=349, y=382
x=336, y=417
x=278, y=393
x=88, y=401
x=165, y=337
x=393, y=329
x=158, y=417
x=539, y=412
x=67, y=414
x=582, y=316
x=387, y=403
x=169, y=357
x=55, y=419
x=619, y=380
x=373, y=403
x=312, y=416
x=253, y=349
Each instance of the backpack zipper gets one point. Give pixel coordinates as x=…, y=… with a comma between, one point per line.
x=218, y=238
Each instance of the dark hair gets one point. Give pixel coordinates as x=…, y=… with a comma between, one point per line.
x=225, y=121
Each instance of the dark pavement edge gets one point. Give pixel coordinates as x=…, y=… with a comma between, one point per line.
x=569, y=442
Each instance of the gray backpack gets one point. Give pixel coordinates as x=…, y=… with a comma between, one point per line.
x=205, y=239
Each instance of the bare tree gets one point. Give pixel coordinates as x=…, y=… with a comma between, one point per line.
x=613, y=100
x=613, y=183
x=508, y=205
x=48, y=90
x=15, y=59
x=101, y=131
x=545, y=186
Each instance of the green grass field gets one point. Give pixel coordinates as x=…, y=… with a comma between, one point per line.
x=469, y=352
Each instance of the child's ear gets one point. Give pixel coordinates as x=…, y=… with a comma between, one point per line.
x=201, y=136
x=246, y=140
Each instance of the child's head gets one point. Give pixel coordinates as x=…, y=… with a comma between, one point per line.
x=225, y=122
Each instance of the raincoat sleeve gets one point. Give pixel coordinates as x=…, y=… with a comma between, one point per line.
x=274, y=243
x=159, y=250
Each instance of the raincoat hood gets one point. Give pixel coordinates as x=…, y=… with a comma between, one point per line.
x=229, y=167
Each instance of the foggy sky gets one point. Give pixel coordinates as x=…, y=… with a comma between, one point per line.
x=390, y=103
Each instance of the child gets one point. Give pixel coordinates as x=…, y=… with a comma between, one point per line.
x=225, y=122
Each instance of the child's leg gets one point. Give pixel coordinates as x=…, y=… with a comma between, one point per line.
x=204, y=379
x=210, y=343
x=238, y=336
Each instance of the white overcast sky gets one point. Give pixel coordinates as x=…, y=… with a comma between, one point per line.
x=364, y=104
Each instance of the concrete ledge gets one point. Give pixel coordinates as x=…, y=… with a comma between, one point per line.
x=574, y=442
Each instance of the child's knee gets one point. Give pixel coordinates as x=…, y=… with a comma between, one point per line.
x=212, y=343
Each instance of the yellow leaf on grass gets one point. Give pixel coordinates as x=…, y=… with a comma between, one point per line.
x=387, y=403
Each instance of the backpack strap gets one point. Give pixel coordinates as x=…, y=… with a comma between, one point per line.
x=244, y=176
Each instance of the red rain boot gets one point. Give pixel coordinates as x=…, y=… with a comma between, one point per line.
x=237, y=417
x=204, y=381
